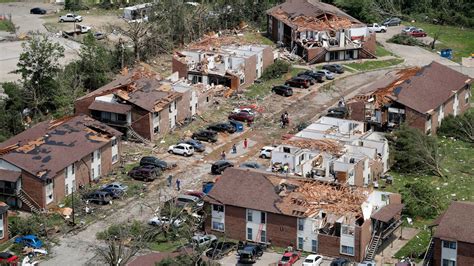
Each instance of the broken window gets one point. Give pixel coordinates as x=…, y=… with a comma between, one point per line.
x=286, y=149
x=347, y=230
x=218, y=208
x=263, y=217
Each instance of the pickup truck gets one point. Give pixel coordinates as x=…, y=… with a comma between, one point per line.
x=70, y=18
x=377, y=28
x=80, y=29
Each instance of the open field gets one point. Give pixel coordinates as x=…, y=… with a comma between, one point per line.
x=370, y=65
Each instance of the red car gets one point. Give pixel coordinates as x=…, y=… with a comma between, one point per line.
x=8, y=258
x=289, y=258
x=242, y=116
x=417, y=33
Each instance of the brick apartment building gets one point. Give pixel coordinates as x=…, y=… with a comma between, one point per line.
x=262, y=207
x=420, y=97
x=319, y=32
x=46, y=162
x=452, y=243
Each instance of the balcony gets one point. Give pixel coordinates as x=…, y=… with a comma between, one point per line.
x=120, y=123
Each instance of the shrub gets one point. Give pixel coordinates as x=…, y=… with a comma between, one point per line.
x=405, y=39
x=276, y=70
x=421, y=199
x=460, y=127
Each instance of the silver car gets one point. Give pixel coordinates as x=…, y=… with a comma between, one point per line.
x=328, y=74
x=70, y=18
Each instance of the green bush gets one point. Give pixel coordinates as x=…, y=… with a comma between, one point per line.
x=460, y=127
x=421, y=199
x=405, y=39
x=276, y=70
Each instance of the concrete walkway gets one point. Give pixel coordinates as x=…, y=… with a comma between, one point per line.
x=386, y=255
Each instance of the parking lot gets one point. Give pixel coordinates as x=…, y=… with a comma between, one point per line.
x=268, y=258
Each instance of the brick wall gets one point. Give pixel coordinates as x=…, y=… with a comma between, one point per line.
x=281, y=229
x=34, y=188
x=267, y=57
x=59, y=188
x=183, y=105
x=463, y=106
x=205, y=99
x=250, y=71
x=376, y=169
x=315, y=51
x=274, y=31
x=82, y=106
x=83, y=171
x=235, y=222
x=359, y=173
x=369, y=44
x=164, y=121
x=106, y=159
x=362, y=239
x=437, y=252
x=142, y=123
x=356, y=110
x=465, y=253
x=180, y=67
x=328, y=245
x=417, y=120
x=395, y=198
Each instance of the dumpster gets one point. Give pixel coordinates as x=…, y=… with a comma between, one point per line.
x=207, y=186
x=238, y=125
x=447, y=53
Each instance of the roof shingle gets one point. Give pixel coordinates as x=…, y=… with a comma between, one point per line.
x=457, y=223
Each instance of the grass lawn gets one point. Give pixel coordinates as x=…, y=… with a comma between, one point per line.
x=416, y=247
x=380, y=51
x=165, y=246
x=7, y=25
x=373, y=64
x=458, y=39
x=260, y=90
x=255, y=37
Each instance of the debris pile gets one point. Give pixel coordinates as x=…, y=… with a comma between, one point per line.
x=327, y=145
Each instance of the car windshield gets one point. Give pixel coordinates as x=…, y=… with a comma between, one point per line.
x=285, y=258
x=309, y=260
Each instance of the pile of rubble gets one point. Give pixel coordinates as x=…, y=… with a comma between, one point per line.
x=326, y=145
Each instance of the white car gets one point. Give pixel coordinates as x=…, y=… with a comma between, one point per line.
x=328, y=74
x=266, y=152
x=160, y=221
x=70, y=18
x=377, y=28
x=203, y=240
x=181, y=149
x=313, y=260
x=408, y=29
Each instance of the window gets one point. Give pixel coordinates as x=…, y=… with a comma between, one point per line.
x=466, y=96
x=314, y=246
x=92, y=173
x=300, y=224
x=218, y=208
x=347, y=230
x=175, y=105
x=114, y=142
x=66, y=171
x=449, y=244
x=156, y=129
x=300, y=243
x=92, y=157
x=263, y=236
x=73, y=168
x=263, y=217
x=218, y=226
x=98, y=154
x=67, y=189
x=2, y=230
x=114, y=158
x=249, y=216
x=449, y=262
x=286, y=149
x=169, y=108
x=249, y=234
x=347, y=250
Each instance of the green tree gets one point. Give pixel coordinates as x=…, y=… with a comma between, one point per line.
x=94, y=63
x=70, y=87
x=38, y=66
x=460, y=127
x=11, y=111
x=421, y=199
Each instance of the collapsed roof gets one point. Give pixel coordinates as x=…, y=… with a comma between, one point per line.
x=50, y=146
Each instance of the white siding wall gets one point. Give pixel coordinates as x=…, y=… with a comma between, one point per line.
x=70, y=181
x=173, y=114
x=115, y=155
x=456, y=104
x=255, y=225
x=448, y=253
x=309, y=232
x=347, y=240
x=218, y=217
x=95, y=164
x=194, y=102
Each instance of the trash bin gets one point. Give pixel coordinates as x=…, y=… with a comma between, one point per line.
x=238, y=125
x=447, y=53
x=207, y=186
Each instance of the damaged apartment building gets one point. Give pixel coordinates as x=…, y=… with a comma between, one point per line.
x=42, y=165
x=223, y=61
x=420, y=97
x=142, y=105
x=313, y=216
x=319, y=32
x=335, y=150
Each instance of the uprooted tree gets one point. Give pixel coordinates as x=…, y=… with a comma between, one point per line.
x=460, y=127
x=415, y=152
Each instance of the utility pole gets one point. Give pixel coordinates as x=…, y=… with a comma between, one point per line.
x=73, y=208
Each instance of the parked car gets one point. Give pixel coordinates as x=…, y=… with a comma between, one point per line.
x=181, y=149
x=418, y=33
x=205, y=135
x=338, y=112
x=150, y=160
x=289, y=258
x=340, y=262
x=222, y=127
x=246, y=110
x=282, y=90
x=70, y=18
x=116, y=185
x=367, y=263
x=377, y=28
x=408, y=29
x=328, y=74
x=195, y=193
x=392, y=22
x=315, y=75
x=335, y=68
x=266, y=152
x=242, y=117
x=145, y=172
x=98, y=197
x=197, y=145
x=165, y=221
x=99, y=35
x=249, y=253
x=253, y=165
x=38, y=11
x=220, y=249
x=313, y=260
x=203, y=240
x=8, y=258
x=218, y=167
x=29, y=241
x=298, y=82
x=115, y=193
x=189, y=201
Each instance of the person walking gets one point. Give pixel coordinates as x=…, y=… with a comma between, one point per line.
x=245, y=143
x=170, y=179
x=178, y=184
x=234, y=148
x=223, y=155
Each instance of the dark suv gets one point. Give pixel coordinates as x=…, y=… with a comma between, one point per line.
x=218, y=167
x=99, y=197
x=338, y=112
x=145, y=172
x=335, y=68
x=298, y=82
x=197, y=145
x=222, y=127
x=316, y=76
x=150, y=160
x=205, y=135
x=283, y=90
x=249, y=253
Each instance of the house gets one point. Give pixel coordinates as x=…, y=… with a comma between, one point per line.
x=335, y=150
x=452, y=242
x=142, y=105
x=42, y=165
x=313, y=216
x=3, y=222
x=319, y=32
x=234, y=65
x=420, y=97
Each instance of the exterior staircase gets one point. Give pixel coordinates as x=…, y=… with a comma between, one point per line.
x=318, y=56
x=29, y=201
x=373, y=246
x=427, y=260
x=134, y=135
x=367, y=53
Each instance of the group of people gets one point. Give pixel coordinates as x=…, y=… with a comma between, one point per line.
x=234, y=149
x=284, y=120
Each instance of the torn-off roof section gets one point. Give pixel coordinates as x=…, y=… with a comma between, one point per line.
x=50, y=146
